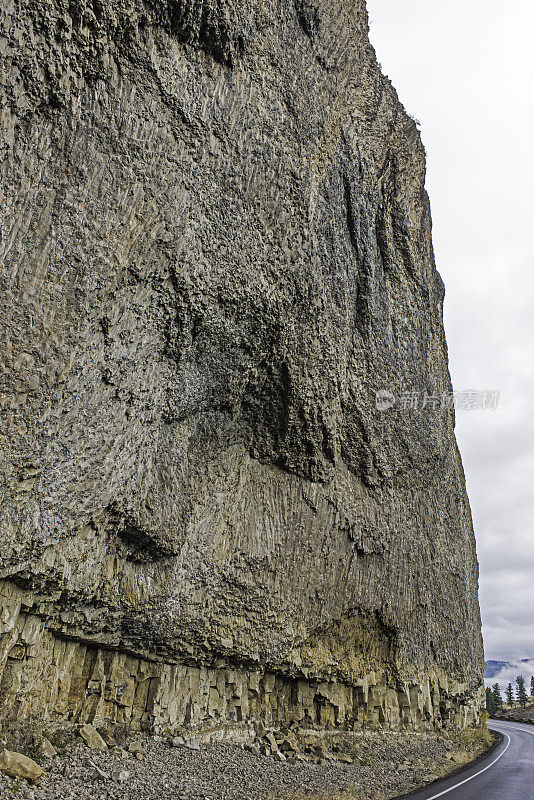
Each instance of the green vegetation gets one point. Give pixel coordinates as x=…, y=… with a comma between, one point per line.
x=15, y=790
x=493, y=699
x=472, y=740
x=510, y=694
x=490, y=702
x=522, y=696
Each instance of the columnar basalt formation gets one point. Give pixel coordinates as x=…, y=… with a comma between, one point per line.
x=215, y=250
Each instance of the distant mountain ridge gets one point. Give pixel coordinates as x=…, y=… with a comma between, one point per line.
x=491, y=668
x=507, y=671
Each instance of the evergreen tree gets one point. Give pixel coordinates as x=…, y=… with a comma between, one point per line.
x=510, y=694
x=521, y=691
x=497, y=696
x=490, y=702
x=532, y=687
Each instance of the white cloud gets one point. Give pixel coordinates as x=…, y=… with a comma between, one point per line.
x=466, y=69
x=509, y=674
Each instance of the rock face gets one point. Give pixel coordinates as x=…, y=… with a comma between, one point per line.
x=215, y=250
x=17, y=765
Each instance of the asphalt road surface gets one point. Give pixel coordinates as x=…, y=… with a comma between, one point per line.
x=507, y=774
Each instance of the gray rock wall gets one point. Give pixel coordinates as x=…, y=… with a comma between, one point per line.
x=215, y=248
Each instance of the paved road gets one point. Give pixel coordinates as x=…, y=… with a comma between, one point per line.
x=507, y=774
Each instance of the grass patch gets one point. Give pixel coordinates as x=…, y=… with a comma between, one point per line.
x=469, y=744
x=14, y=790
x=474, y=740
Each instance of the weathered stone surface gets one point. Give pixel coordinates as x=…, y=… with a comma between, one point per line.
x=92, y=737
x=17, y=765
x=216, y=247
x=120, y=775
x=46, y=748
x=97, y=773
x=107, y=736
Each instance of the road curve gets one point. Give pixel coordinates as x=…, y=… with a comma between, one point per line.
x=507, y=773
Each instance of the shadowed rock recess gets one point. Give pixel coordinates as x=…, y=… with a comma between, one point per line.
x=215, y=249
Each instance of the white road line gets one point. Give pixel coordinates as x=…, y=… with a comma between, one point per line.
x=508, y=726
x=476, y=773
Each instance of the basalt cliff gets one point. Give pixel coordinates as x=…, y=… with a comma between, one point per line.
x=215, y=250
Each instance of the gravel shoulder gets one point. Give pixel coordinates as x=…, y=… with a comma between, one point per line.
x=517, y=714
x=362, y=765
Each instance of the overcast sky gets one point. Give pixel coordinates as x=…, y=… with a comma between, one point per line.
x=465, y=69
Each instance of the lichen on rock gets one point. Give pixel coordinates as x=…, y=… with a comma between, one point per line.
x=216, y=248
